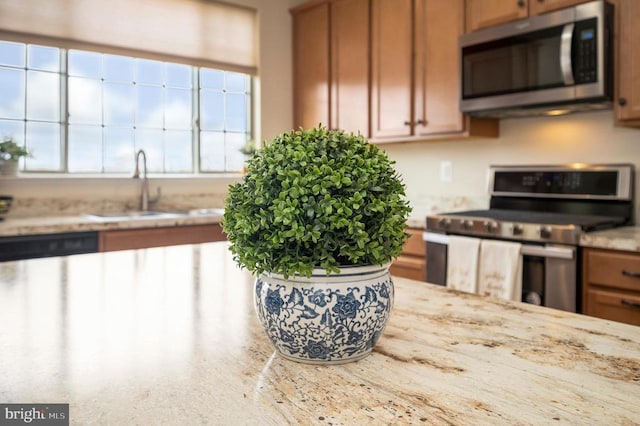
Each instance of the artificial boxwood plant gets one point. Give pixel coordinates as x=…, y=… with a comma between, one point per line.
x=316, y=198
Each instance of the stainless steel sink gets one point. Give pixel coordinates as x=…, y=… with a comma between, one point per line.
x=136, y=215
x=206, y=212
x=155, y=214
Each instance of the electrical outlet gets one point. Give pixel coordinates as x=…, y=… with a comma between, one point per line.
x=446, y=171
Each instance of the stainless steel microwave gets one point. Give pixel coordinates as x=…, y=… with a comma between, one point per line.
x=548, y=64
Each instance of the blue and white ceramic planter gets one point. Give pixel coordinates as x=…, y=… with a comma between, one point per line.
x=325, y=319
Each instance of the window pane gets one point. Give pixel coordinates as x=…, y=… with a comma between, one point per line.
x=178, y=150
x=236, y=114
x=43, y=142
x=148, y=71
x=235, y=158
x=149, y=111
x=179, y=76
x=85, y=148
x=43, y=96
x=235, y=82
x=13, y=93
x=85, y=101
x=211, y=110
x=12, y=54
x=12, y=129
x=152, y=143
x=211, y=145
x=211, y=79
x=118, y=104
x=178, y=109
x=118, y=68
x=44, y=58
x=85, y=64
x=118, y=150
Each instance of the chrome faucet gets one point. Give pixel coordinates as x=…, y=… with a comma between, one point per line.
x=145, y=200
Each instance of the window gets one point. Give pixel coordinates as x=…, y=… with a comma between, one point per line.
x=86, y=112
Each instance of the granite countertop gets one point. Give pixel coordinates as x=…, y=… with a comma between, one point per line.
x=625, y=238
x=78, y=223
x=169, y=336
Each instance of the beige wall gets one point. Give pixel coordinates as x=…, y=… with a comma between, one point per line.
x=585, y=138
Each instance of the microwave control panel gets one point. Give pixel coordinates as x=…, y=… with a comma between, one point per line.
x=585, y=61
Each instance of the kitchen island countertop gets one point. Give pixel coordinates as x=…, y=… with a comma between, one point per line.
x=169, y=336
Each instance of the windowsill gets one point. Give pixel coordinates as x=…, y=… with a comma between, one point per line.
x=68, y=176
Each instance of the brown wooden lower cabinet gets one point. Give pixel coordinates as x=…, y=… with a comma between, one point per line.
x=412, y=262
x=611, y=285
x=125, y=239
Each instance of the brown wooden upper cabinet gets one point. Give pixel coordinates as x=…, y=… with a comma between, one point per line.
x=627, y=102
x=415, y=88
x=331, y=65
x=311, y=66
x=487, y=13
x=391, y=71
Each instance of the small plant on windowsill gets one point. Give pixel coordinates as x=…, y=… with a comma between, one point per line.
x=318, y=217
x=10, y=153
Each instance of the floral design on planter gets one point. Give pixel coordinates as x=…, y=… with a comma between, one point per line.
x=319, y=320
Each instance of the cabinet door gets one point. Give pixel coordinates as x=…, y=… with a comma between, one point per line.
x=628, y=101
x=127, y=239
x=311, y=66
x=391, y=68
x=486, y=13
x=350, y=66
x=537, y=7
x=437, y=86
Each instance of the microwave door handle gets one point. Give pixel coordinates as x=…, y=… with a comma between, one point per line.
x=565, y=54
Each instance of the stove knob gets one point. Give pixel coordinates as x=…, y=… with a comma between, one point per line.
x=517, y=230
x=467, y=225
x=490, y=226
x=444, y=223
x=545, y=232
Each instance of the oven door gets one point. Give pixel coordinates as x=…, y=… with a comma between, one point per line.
x=549, y=272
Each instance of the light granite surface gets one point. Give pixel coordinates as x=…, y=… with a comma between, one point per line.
x=624, y=238
x=169, y=336
x=60, y=224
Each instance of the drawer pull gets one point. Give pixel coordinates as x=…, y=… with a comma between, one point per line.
x=630, y=274
x=630, y=304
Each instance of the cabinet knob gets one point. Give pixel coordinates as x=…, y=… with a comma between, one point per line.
x=521, y=3
x=622, y=101
x=422, y=122
x=407, y=123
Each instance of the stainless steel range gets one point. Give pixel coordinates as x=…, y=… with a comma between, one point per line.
x=546, y=208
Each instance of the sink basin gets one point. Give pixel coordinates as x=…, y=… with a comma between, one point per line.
x=135, y=215
x=206, y=212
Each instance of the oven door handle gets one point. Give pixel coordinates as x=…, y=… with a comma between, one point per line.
x=527, y=249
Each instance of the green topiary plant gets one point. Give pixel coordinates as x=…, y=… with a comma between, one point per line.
x=316, y=198
x=9, y=150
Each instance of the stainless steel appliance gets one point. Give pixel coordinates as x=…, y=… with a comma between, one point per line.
x=552, y=63
x=546, y=208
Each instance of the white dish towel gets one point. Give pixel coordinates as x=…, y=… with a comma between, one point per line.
x=500, y=270
x=462, y=263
